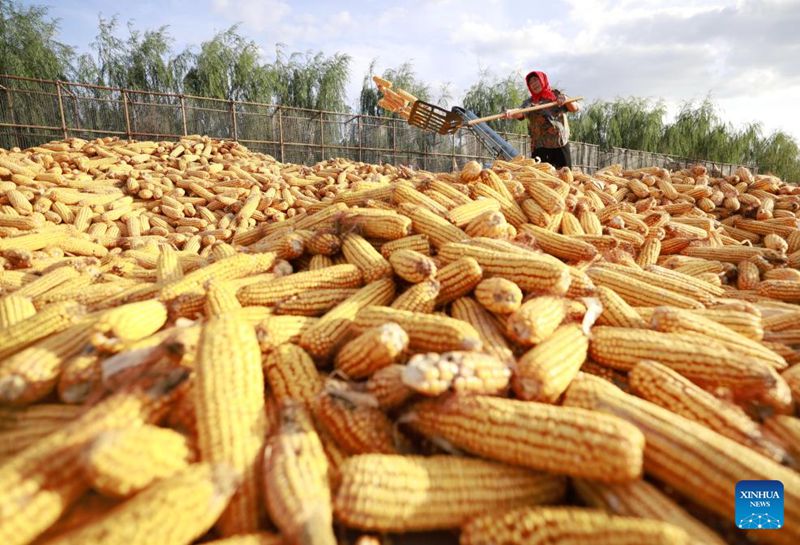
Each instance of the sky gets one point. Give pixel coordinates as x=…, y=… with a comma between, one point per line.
x=743, y=54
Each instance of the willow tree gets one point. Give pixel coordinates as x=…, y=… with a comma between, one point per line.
x=28, y=44
x=491, y=95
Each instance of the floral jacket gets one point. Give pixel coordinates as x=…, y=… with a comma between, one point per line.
x=547, y=128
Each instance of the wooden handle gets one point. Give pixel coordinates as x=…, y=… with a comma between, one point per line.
x=521, y=111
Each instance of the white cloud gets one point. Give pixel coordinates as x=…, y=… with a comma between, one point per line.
x=256, y=14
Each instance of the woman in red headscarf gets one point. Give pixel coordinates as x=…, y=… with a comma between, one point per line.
x=548, y=129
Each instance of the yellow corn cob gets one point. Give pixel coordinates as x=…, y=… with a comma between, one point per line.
x=438, y=230
x=269, y=293
x=13, y=309
x=530, y=271
x=509, y=208
x=406, y=196
x=782, y=274
x=731, y=254
x=418, y=243
x=536, y=320
x=355, y=426
x=590, y=222
x=535, y=213
x=649, y=252
x=230, y=268
x=371, y=351
x=285, y=245
x=637, y=292
x=42, y=481
x=643, y=500
x=174, y=511
x=462, y=372
x=32, y=241
x=784, y=430
x=324, y=244
x=387, y=387
x=561, y=525
x=457, y=279
x=783, y=290
x=121, y=462
x=678, y=282
x=420, y=297
x=499, y=295
x=700, y=359
x=412, y=493
x=20, y=428
x=546, y=197
x=296, y=480
x=616, y=312
x=276, y=330
x=534, y=435
x=48, y=321
x=775, y=242
x=465, y=213
x=561, y=246
x=291, y=374
x=359, y=252
x=426, y=332
x=748, y=276
x=782, y=321
x=220, y=298
x=380, y=224
x=133, y=321
x=322, y=338
x=412, y=266
x=672, y=320
x=571, y=225
x=47, y=282
x=80, y=376
x=494, y=343
x=256, y=538
x=664, y=387
x=746, y=324
x=492, y=225
x=232, y=432
x=544, y=372
x=318, y=262
x=314, y=302
x=168, y=268
x=676, y=447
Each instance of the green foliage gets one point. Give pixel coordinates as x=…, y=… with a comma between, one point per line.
x=492, y=95
x=28, y=46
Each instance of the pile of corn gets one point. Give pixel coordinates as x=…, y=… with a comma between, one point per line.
x=200, y=343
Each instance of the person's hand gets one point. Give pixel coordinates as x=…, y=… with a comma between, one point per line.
x=508, y=114
x=561, y=99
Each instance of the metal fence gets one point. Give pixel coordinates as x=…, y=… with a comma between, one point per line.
x=34, y=111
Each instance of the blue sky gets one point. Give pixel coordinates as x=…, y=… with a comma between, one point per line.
x=742, y=52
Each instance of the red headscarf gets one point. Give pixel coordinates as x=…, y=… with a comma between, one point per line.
x=546, y=92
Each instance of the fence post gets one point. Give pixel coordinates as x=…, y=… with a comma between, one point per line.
x=321, y=138
x=183, y=115
x=280, y=130
x=61, y=110
x=360, y=140
x=233, y=120
x=127, y=113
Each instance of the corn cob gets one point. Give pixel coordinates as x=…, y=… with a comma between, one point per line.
x=491, y=335
x=492, y=225
x=616, y=312
x=544, y=372
x=20, y=428
x=499, y=295
x=649, y=252
x=322, y=338
x=407, y=197
x=359, y=252
x=731, y=254
x=462, y=372
x=677, y=446
x=643, y=500
x=13, y=309
x=438, y=230
x=53, y=319
x=782, y=274
x=509, y=208
x=291, y=374
x=666, y=388
x=230, y=268
x=229, y=360
x=412, y=266
x=44, y=479
x=411, y=493
x=671, y=320
x=276, y=330
x=325, y=244
x=562, y=246
x=782, y=321
x=637, y=292
x=133, y=321
x=296, y=480
x=746, y=324
x=386, y=386
x=220, y=298
x=562, y=525
x=174, y=511
x=80, y=376
x=121, y=462
x=426, y=332
x=269, y=293
x=318, y=262
x=546, y=197
x=371, y=351
x=463, y=214
x=313, y=303
x=536, y=320
x=783, y=290
x=420, y=297
x=418, y=243
x=785, y=431
x=536, y=214
x=47, y=282
x=534, y=435
x=380, y=224
x=457, y=279
x=700, y=359
x=356, y=426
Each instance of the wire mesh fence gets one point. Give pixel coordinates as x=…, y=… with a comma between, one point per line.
x=34, y=111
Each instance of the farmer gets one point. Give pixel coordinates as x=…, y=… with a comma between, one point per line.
x=549, y=128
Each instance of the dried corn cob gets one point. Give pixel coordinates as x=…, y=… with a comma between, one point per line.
x=544, y=372
x=14, y=308
x=359, y=252
x=229, y=360
x=313, y=303
x=53, y=319
x=418, y=243
x=536, y=320
x=562, y=525
x=534, y=435
x=220, y=298
x=616, y=312
x=426, y=332
x=494, y=343
x=412, y=266
x=291, y=374
x=121, y=462
x=562, y=246
x=380, y=224
x=296, y=480
x=387, y=387
x=462, y=215
x=371, y=351
x=420, y=297
x=275, y=330
x=269, y=293
x=636, y=292
x=412, y=493
x=438, y=230
x=462, y=372
x=457, y=279
x=499, y=295
x=783, y=290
